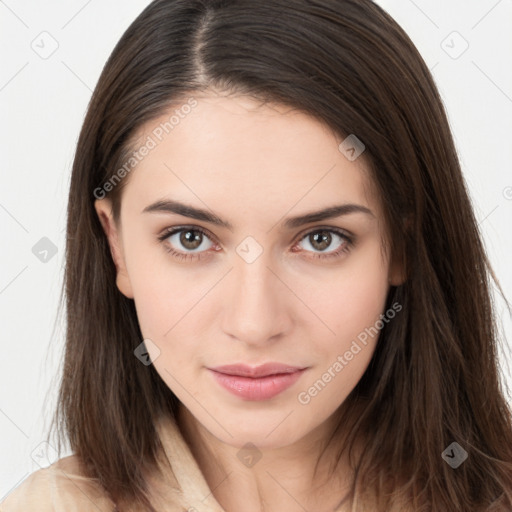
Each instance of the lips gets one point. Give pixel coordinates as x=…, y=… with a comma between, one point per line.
x=256, y=383
x=263, y=370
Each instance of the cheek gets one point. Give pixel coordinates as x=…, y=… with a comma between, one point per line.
x=164, y=292
x=353, y=298
x=174, y=311
x=357, y=299
x=165, y=311
x=158, y=294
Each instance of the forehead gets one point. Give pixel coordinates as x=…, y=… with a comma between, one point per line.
x=236, y=152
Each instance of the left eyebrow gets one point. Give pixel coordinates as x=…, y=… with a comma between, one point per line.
x=169, y=206
x=327, y=213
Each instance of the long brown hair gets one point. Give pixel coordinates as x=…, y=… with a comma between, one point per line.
x=434, y=377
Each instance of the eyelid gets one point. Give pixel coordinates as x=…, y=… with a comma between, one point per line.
x=167, y=232
x=334, y=229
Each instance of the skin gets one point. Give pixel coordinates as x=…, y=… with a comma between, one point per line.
x=253, y=165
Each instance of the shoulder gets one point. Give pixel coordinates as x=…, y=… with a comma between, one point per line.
x=31, y=493
x=61, y=487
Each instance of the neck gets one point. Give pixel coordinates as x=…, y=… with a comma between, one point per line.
x=270, y=480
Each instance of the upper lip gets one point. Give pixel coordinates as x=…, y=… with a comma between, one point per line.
x=263, y=370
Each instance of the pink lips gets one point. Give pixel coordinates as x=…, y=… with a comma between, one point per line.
x=256, y=383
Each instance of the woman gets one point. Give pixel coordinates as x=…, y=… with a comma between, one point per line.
x=277, y=295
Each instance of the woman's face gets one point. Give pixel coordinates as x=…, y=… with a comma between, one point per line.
x=252, y=277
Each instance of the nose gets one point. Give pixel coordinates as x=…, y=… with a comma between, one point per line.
x=257, y=306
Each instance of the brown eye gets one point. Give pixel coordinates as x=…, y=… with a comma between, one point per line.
x=325, y=243
x=320, y=240
x=324, y=240
x=191, y=239
x=187, y=240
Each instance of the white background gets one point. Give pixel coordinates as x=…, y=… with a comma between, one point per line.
x=42, y=104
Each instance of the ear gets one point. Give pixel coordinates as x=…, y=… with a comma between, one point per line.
x=398, y=267
x=113, y=232
x=397, y=274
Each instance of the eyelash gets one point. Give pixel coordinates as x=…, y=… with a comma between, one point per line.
x=204, y=254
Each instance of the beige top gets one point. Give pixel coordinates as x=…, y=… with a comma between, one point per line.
x=180, y=487
x=61, y=488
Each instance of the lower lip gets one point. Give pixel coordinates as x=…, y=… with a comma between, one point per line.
x=261, y=388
